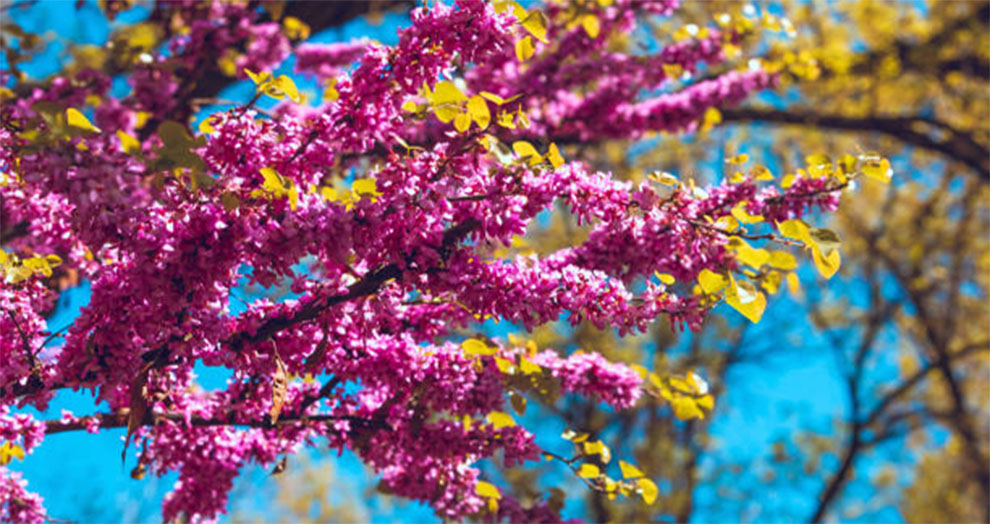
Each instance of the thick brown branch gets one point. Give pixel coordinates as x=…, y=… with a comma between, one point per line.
x=957, y=145
x=368, y=285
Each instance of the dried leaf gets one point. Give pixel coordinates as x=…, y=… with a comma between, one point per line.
x=280, y=383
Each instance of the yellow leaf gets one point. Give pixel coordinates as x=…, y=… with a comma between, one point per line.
x=629, y=471
x=505, y=366
x=593, y=447
x=478, y=109
x=128, y=142
x=78, y=120
x=707, y=402
x=293, y=197
x=462, y=122
x=10, y=451
x=536, y=24
x=524, y=48
x=663, y=178
x=258, y=78
x=787, y=181
x=697, y=383
x=447, y=112
x=489, y=491
x=473, y=346
x=685, y=408
x=517, y=10
x=793, y=283
x=747, y=255
x=366, y=187
x=554, y=156
x=273, y=181
x=827, y=264
x=782, y=260
x=409, y=106
x=712, y=117
x=295, y=28
x=795, y=229
x=522, y=118
x=574, y=437
x=710, y=281
x=493, y=505
x=591, y=25
x=528, y=367
x=285, y=84
x=446, y=92
x=527, y=151
x=878, y=169
x=665, y=278
x=746, y=299
x=760, y=173
x=589, y=471
x=648, y=490
x=739, y=159
x=740, y=214
x=497, y=100
x=501, y=420
x=505, y=119
x=330, y=92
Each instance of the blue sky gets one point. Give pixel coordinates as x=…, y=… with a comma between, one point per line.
x=80, y=475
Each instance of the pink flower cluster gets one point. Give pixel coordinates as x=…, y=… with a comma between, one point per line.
x=384, y=275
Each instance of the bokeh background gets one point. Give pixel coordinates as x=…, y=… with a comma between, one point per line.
x=864, y=398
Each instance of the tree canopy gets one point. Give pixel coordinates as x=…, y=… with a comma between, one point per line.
x=350, y=257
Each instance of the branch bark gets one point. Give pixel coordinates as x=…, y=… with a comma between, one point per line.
x=958, y=146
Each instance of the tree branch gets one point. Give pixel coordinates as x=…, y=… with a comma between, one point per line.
x=958, y=146
x=119, y=420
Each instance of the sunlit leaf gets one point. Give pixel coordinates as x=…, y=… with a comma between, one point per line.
x=524, y=48
x=501, y=420
x=591, y=25
x=710, y=281
x=589, y=471
x=554, y=156
x=487, y=490
x=828, y=264
x=78, y=120
x=526, y=150
x=478, y=109
x=648, y=490
x=473, y=346
x=536, y=24
x=128, y=143
x=629, y=471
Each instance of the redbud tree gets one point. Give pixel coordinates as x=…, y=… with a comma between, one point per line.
x=381, y=204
